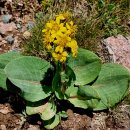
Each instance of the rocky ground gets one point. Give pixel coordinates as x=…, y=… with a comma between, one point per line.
x=16, y=20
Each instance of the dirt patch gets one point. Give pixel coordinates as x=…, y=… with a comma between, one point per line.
x=9, y=121
x=12, y=117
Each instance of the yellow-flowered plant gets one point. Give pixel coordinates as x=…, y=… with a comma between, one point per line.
x=47, y=85
x=59, y=37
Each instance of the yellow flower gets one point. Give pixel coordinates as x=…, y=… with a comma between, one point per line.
x=44, y=30
x=59, y=49
x=71, y=28
x=66, y=15
x=74, y=47
x=58, y=35
x=62, y=39
x=60, y=56
x=49, y=47
x=47, y=39
x=59, y=18
x=54, y=28
x=63, y=16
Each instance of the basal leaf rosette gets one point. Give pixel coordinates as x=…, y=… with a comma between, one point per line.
x=59, y=37
x=110, y=87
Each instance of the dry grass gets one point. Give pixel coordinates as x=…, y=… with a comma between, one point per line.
x=95, y=20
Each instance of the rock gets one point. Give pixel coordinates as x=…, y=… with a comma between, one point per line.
x=1, y=41
x=23, y=29
x=26, y=18
x=119, y=47
x=16, y=44
x=26, y=34
x=32, y=127
x=30, y=25
x=5, y=109
x=3, y=127
x=1, y=38
x=128, y=38
x=6, y=29
x=6, y=18
x=10, y=39
x=4, y=42
x=18, y=26
x=98, y=121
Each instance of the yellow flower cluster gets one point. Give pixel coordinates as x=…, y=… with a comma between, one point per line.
x=58, y=37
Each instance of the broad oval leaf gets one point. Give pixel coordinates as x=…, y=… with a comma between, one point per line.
x=4, y=60
x=112, y=85
x=86, y=66
x=28, y=73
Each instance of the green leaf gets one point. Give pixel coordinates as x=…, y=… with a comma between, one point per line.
x=4, y=60
x=56, y=82
x=86, y=66
x=7, y=57
x=52, y=123
x=71, y=91
x=70, y=75
x=109, y=89
x=49, y=112
x=112, y=85
x=78, y=101
x=28, y=73
x=3, y=79
x=35, y=108
x=87, y=92
x=63, y=114
x=85, y=104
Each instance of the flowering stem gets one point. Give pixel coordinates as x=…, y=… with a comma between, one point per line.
x=63, y=67
x=63, y=82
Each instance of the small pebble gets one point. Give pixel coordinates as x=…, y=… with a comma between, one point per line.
x=4, y=42
x=10, y=39
x=6, y=18
x=32, y=127
x=18, y=26
x=3, y=127
x=1, y=38
x=5, y=29
x=26, y=34
x=30, y=25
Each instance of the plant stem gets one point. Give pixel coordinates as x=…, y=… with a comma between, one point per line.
x=63, y=82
